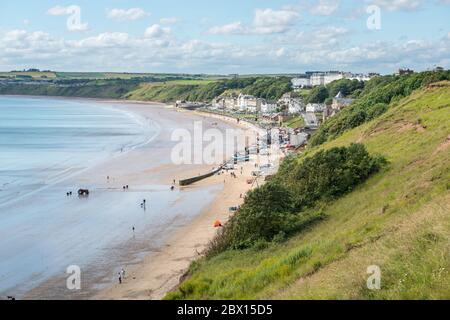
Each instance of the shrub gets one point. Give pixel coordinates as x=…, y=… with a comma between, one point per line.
x=288, y=204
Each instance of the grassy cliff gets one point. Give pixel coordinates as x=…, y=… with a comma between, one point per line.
x=397, y=219
x=155, y=88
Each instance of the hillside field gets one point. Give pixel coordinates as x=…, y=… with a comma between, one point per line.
x=398, y=219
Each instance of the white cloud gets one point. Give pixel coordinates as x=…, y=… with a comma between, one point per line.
x=231, y=28
x=265, y=21
x=60, y=11
x=169, y=20
x=271, y=21
x=127, y=14
x=280, y=52
x=325, y=7
x=398, y=5
x=159, y=51
x=74, y=23
x=103, y=40
x=156, y=31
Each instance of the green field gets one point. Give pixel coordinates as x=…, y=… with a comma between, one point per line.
x=110, y=75
x=34, y=75
x=398, y=220
x=294, y=123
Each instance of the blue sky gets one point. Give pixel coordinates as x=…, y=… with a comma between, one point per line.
x=199, y=36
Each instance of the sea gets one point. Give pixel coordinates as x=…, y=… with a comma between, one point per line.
x=45, y=143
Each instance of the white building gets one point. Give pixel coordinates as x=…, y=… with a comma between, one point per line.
x=316, y=107
x=266, y=107
x=247, y=103
x=298, y=83
x=298, y=139
x=230, y=103
x=295, y=106
x=285, y=98
x=324, y=78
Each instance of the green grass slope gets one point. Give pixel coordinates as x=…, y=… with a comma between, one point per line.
x=399, y=220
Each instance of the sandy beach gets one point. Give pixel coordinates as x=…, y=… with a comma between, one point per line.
x=161, y=272
x=96, y=233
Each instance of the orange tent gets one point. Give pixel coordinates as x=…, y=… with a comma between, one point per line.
x=217, y=224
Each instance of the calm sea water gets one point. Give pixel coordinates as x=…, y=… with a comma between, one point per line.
x=43, y=142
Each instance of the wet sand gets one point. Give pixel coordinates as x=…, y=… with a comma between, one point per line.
x=160, y=272
x=149, y=172
x=154, y=263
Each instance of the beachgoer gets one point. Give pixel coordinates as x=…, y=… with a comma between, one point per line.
x=133, y=228
x=172, y=188
x=120, y=278
x=122, y=273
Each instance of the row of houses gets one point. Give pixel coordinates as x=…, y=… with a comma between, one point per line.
x=244, y=103
x=288, y=103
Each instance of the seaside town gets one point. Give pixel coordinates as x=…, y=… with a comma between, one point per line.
x=295, y=118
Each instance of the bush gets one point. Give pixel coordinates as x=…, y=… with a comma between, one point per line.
x=288, y=203
x=332, y=173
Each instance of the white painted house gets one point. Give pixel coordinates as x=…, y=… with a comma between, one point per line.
x=296, y=105
x=247, y=103
x=315, y=107
x=266, y=107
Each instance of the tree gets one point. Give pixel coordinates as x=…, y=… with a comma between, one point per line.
x=318, y=95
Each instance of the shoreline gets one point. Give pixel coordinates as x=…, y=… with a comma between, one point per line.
x=163, y=271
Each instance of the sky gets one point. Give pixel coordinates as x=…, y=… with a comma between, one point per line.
x=225, y=37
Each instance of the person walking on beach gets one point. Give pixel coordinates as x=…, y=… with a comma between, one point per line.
x=120, y=278
x=122, y=273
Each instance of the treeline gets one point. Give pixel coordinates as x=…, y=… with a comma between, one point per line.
x=115, y=89
x=373, y=100
x=289, y=203
x=325, y=94
x=154, y=88
x=270, y=88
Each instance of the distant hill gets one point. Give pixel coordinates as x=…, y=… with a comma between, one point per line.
x=143, y=87
x=397, y=219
